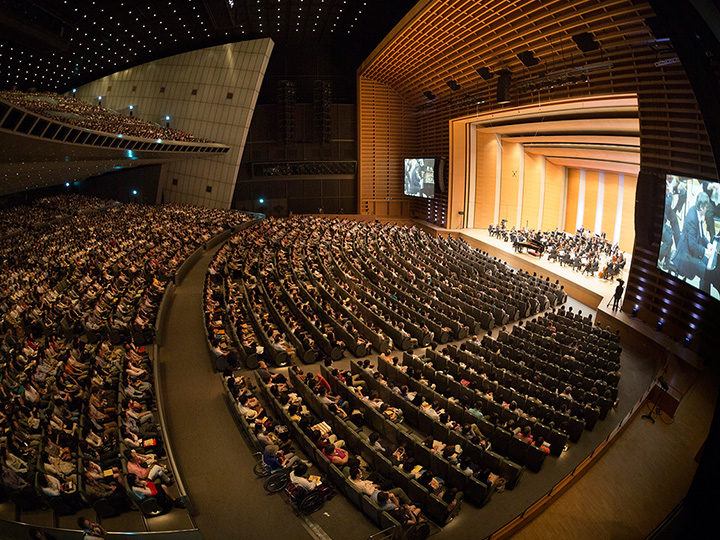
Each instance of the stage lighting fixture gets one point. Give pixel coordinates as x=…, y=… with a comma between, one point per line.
x=528, y=59
x=454, y=86
x=429, y=95
x=660, y=325
x=485, y=73
x=635, y=310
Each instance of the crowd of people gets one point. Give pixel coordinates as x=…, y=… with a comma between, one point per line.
x=78, y=303
x=45, y=210
x=283, y=288
x=585, y=252
x=305, y=288
x=71, y=110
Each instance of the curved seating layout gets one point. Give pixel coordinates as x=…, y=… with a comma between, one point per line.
x=73, y=111
x=311, y=288
x=78, y=306
x=305, y=289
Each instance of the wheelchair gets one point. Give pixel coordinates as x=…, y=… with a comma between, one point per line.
x=276, y=481
x=307, y=502
x=261, y=468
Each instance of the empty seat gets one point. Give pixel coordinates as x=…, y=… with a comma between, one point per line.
x=517, y=448
x=500, y=440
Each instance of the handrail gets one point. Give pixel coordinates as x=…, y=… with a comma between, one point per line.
x=19, y=529
x=159, y=338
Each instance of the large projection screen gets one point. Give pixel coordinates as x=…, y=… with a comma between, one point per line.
x=420, y=178
x=691, y=232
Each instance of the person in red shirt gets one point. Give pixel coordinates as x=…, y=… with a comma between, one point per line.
x=337, y=456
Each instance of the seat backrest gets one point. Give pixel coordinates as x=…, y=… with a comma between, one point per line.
x=371, y=510
x=417, y=493
x=517, y=448
x=534, y=458
x=456, y=478
x=353, y=493
x=477, y=491
x=500, y=440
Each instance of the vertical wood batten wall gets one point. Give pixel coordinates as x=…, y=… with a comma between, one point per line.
x=387, y=131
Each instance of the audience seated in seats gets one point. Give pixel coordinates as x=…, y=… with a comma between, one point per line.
x=317, y=277
x=145, y=488
x=74, y=284
x=297, y=477
x=276, y=459
x=71, y=110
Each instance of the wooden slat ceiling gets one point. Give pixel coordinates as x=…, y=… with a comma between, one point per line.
x=452, y=38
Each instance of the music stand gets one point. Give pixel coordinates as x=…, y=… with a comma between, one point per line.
x=663, y=388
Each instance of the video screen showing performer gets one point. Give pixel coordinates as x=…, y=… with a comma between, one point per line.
x=691, y=233
x=420, y=178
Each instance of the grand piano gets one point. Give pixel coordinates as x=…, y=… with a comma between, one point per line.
x=531, y=245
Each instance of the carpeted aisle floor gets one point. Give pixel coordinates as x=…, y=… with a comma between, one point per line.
x=211, y=454
x=214, y=460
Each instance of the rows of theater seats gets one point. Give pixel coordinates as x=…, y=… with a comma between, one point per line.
x=307, y=288
x=380, y=466
x=79, y=302
x=71, y=110
x=42, y=212
x=440, y=382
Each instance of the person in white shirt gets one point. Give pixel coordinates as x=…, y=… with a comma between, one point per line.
x=366, y=486
x=297, y=477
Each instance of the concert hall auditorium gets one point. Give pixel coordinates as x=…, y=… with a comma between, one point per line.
x=359, y=269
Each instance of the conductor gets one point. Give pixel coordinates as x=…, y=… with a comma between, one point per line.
x=618, y=294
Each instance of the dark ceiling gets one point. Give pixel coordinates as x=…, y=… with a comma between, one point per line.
x=55, y=45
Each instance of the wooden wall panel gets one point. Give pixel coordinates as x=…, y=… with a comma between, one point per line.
x=510, y=180
x=486, y=174
x=553, y=196
x=610, y=204
x=531, y=191
x=387, y=132
x=458, y=176
x=591, y=187
x=572, y=200
x=627, y=231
